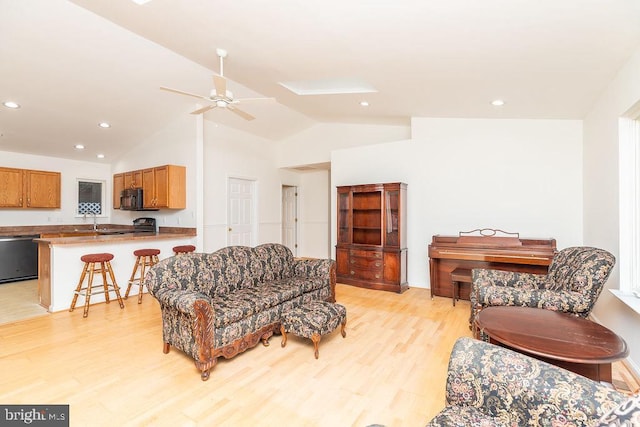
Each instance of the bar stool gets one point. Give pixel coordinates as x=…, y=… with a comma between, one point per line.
x=144, y=258
x=183, y=249
x=90, y=261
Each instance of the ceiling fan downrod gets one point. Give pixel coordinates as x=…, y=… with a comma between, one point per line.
x=221, y=54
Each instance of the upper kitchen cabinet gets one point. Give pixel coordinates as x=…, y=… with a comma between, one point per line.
x=133, y=179
x=164, y=187
x=118, y=186
x=23, y=188
x=11, y=187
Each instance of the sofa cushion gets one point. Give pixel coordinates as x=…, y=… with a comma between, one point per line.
x=465, y=416
x=246, y=302
x=625, y=414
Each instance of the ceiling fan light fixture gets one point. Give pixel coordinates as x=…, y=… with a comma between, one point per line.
x=221, y=103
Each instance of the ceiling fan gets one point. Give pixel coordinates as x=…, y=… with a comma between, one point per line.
x=220, y=97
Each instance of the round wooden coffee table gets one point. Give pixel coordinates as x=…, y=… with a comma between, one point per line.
x=573, y=343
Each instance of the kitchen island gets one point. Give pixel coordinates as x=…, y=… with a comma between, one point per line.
x=59, y=264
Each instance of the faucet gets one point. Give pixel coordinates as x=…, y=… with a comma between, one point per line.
x=95, y=223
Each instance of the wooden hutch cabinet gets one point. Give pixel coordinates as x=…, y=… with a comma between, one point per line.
x=371, y=247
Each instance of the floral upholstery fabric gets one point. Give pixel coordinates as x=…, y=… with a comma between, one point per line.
x=318, y=317
x=491, y=385
x=240, y=289
x=626, y=414
x=573, y=284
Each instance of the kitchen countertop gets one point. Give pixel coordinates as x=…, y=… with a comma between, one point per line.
x=113, y=238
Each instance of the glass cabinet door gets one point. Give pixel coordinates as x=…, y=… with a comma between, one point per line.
x=344, y=212
x=391, y=218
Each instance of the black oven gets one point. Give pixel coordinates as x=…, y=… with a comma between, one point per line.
x=131, y=199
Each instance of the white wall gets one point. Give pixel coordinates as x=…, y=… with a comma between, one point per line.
x=601, y=224
x=233, y=154
x=314, y=145
x=462, y=174
x=70, y=171
x=314, y=195
x=175, y=145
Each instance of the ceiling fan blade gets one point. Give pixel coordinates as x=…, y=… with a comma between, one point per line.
x=239, y=112
x=220, y=84
x=203, y=109
x=184, y=93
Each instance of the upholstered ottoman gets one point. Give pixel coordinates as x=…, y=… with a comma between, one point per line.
x=313, y=320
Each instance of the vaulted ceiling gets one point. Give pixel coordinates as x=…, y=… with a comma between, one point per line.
x=73, y=64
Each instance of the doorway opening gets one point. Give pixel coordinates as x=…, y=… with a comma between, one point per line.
x=290, y=218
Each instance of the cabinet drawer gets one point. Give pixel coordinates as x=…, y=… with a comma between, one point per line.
x=365, y=274
x=370, y=263
x=365, y=254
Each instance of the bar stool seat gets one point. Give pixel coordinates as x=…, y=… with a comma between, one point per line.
x=144, y=258
x=90, y=261
x=183, y=249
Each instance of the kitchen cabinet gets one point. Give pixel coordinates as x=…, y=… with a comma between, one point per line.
x=118, y=186
x=164, y=187
x=371, y=247
x=24, y=188
x=133, y=179
x=11, y=187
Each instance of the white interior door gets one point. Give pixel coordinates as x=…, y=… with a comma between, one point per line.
x=290, y=218
x=241, y=203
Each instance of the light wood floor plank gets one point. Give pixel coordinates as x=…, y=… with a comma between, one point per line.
x=390, y=369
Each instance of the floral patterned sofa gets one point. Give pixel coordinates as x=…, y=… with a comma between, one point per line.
x=221, y=304
x=573, y=284
x=489, y=385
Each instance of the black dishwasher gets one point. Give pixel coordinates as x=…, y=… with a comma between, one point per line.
x=18, y=258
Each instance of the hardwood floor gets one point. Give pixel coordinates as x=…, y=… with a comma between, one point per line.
x=20, y=301
x=110, y=369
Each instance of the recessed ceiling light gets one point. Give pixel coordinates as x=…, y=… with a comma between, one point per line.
x=497, y=103
x=140, y=1
x=104, y=125
x=364, y=103
x=11, y=104
x=100, y=156
x=79, y=147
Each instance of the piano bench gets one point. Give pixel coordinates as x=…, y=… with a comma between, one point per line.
x=459, y=275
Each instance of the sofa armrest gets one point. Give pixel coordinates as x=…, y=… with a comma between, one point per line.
x=181, y=300
x=519, y=389
x=322, y=268
x=312, y=267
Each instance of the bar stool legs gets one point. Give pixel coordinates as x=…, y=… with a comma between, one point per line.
x=90, y=262
x=144, y=258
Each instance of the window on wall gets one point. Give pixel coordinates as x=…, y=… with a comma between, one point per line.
x=91, y=197
x=629, y=166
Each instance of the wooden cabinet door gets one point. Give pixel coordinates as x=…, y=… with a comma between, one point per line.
x=149, y=188
x=133, y=179
x=11, y=187
x=42, y=189
x=118, y=186
x=161, y=179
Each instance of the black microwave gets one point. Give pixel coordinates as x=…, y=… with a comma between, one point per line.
x=131, y=199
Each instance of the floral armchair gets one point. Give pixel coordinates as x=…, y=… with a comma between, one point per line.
x=488, y=385
x=573, y=284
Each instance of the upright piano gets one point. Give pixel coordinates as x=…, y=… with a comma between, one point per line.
x=485, y=248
